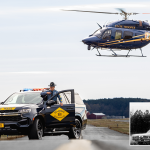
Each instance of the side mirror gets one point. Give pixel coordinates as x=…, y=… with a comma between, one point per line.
x=2, y=103
x=50, y=102
x=44, y=97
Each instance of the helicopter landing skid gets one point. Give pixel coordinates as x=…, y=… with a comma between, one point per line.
x=120, y=56
x=116, y=55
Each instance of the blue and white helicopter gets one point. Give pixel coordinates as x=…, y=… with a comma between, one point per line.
x=119, y=35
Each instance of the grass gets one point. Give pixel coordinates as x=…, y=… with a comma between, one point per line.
x=10, y=137
x=122, y=127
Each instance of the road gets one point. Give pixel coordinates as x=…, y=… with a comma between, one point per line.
x=94, y=138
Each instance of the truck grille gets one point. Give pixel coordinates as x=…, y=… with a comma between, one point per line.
x=10, y=118
x=8, y=111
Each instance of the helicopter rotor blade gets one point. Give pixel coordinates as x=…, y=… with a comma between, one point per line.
x=123, y=11
x=91, y=11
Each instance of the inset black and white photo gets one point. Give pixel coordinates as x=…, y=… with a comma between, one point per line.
x=140, y=123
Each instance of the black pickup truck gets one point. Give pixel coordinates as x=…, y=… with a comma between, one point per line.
x=27, y=113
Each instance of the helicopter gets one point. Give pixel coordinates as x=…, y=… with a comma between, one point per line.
x=119, y=35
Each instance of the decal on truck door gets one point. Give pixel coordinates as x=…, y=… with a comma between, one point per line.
x=59, y=114
x=8, y=108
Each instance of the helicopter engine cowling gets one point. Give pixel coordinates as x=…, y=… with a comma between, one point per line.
x=130, y=24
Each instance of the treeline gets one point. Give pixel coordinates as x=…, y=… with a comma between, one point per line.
x=140, y=122
x=114, y=106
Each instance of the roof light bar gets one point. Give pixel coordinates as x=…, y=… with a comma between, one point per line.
x=27, y=89
x=34, y=89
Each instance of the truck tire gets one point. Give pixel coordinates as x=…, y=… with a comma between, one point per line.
x=36, y=130
x=75, y=132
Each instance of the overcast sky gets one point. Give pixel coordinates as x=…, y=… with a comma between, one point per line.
x=143, y=106
x=39, y=43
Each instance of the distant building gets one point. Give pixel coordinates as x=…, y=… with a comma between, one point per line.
x=97, y=116
x=88, y=114
x=115, y=117
x=102, y=116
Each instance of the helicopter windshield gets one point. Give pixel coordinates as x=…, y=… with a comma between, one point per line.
x=99, y=32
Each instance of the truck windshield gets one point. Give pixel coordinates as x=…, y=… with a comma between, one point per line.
x=24, y=98
x=99, y=32
x=148, y=131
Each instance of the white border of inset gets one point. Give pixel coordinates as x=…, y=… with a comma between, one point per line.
x=129, y=124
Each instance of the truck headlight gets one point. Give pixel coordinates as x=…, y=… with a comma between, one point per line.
x=23, y=111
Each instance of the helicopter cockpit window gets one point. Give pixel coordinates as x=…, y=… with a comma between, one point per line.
x=98, y=33
x=107, y=35
x=127, y=35
x=118, y=35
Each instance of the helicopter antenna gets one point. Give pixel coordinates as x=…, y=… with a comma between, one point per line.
x=105, y=22
x=108, y=22
x=99, y=26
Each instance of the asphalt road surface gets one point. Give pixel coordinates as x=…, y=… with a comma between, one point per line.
x=94, y=138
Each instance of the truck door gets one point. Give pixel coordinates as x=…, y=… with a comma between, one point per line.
x=59, y=116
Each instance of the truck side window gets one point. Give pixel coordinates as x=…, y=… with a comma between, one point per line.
x=127, y=35
x=107, y=35
x=78, y=99
x=118, y=35
x=66, y=97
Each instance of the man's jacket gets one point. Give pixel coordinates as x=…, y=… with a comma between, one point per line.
x=52, y=94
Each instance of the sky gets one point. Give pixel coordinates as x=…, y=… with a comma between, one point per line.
x=39, y=43
x=143, y=106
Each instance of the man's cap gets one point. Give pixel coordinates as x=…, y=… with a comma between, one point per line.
x=52, y=84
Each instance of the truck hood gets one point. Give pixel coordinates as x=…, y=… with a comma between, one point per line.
x=16, y=106
x=143, y=134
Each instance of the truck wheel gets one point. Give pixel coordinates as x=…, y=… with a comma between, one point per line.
x=36, y=130
x=75, y=132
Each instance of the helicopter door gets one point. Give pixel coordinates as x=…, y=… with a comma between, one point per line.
x=127, y=37
x=106, y=36
x=138, y=35
x=118, y=37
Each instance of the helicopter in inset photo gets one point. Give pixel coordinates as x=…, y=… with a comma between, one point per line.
x=119, y=35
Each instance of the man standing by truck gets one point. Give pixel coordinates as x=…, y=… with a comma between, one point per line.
x=52, y=92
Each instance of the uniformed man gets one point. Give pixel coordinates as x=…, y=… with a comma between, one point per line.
x=51, y=93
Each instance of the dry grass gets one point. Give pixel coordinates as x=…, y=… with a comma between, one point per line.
x=10, y=137
x=122, y=127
